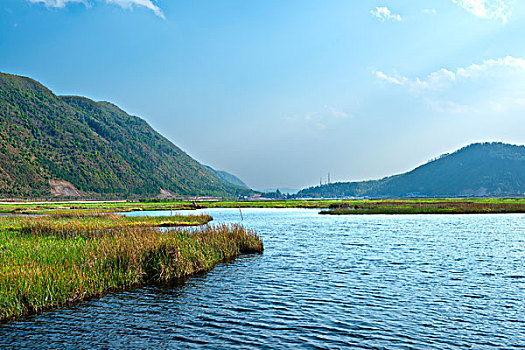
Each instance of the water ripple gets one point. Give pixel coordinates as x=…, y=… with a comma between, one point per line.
x=370, y=282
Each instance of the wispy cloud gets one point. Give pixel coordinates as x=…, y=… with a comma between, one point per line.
x=489, y=9
x=500, y=81
x=429, y=11
x=125, y=4
x=442, y=77
x=129, y=4
x=336, y=113
x=58, y=3
x=322, y=119
x=433, y=81
x=384, y=13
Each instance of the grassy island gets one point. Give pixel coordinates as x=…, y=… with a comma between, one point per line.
x=48, y=262
x=426, y=207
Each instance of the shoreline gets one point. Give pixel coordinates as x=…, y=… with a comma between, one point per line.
x=364, y=206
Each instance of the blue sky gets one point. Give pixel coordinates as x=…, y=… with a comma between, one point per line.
x=282, y=92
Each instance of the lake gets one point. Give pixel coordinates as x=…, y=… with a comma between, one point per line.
x=325, y=282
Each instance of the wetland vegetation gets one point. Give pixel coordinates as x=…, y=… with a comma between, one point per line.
x=48, y=262
x=427, y=207
x=373, y=206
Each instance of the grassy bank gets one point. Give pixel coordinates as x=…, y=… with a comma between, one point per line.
x=426, y=207
x=57, y=208
x=111, y=207
x=46, y=265
x=381, y=205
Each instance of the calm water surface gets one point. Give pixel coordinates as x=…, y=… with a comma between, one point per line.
x=417, y=281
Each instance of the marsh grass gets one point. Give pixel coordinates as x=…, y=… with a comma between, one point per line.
x=425, y=207
x=58, y=208
x=92, y=222
x=43, y=265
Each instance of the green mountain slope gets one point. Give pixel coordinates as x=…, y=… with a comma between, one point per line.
x=92, y=147
x=226, y=176
x=480, y=169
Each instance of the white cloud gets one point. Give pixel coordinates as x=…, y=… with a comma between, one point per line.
x=57, y=3
x=383, y=13
x=337, y=113
x=492, y=83
x=125, y=4
x=429, y=11
x=489, y=9
x=398, y=80
x=443, y=76
x=129, y=4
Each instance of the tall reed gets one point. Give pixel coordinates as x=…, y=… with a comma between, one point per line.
x=45, y=266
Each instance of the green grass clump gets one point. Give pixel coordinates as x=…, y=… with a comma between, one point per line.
x=43, y=267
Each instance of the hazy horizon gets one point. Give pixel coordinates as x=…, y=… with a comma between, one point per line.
x=279, y=93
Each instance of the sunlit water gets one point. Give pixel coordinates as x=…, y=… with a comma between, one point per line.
x=399, y=281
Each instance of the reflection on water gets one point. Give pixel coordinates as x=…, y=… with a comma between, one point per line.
x=417, y=281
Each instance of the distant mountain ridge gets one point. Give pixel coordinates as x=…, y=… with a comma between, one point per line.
x=69, y=145
x=283, y=190
x=480, y=169
x=226, y=176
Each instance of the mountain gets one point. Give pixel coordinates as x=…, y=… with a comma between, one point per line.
x=283, y=190
x=480, y=169
x=226, y=176
x=73, y=146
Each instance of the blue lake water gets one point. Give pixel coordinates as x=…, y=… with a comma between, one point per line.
x=326, y=282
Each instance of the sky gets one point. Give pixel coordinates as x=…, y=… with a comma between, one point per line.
x=282, y=92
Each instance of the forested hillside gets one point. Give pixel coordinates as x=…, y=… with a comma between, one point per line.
x=93, y=147
x=480, y=169
x=226, y=176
